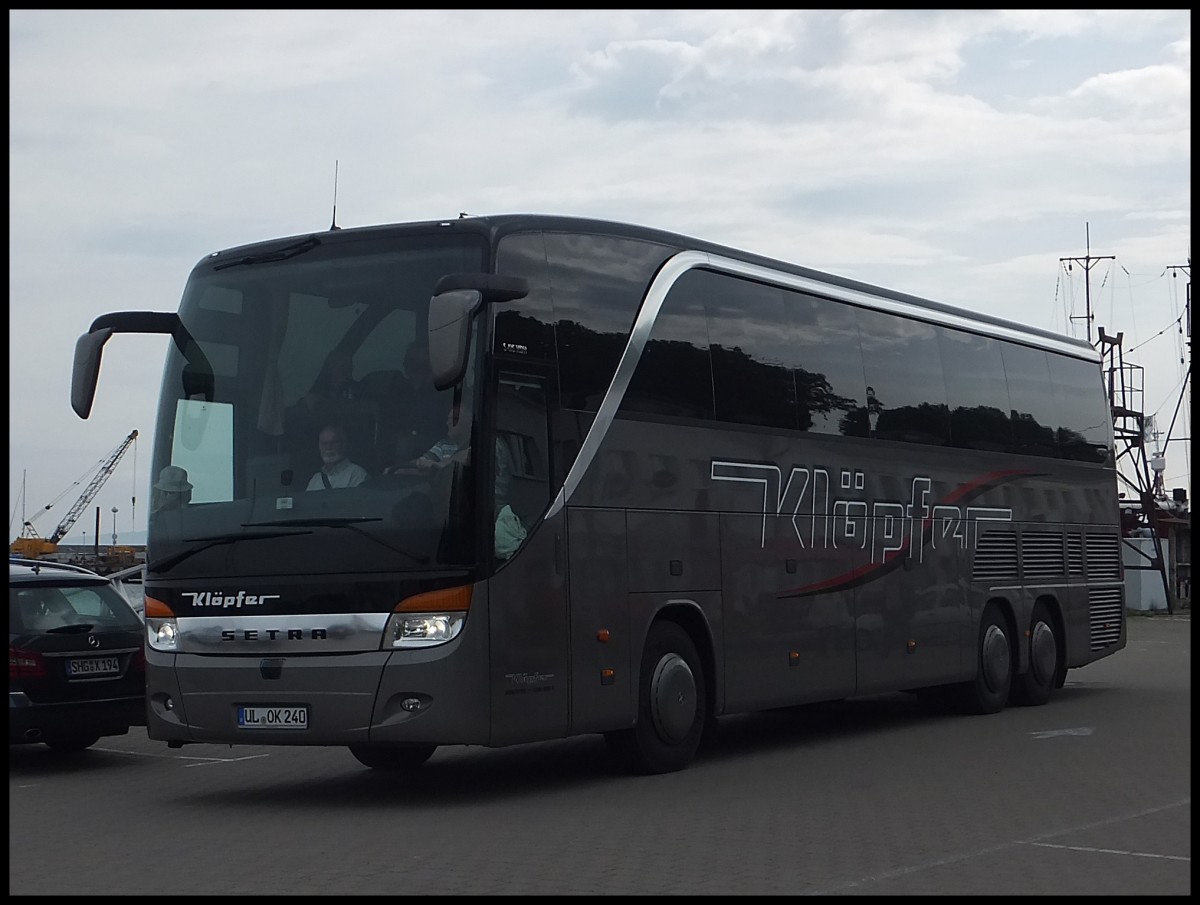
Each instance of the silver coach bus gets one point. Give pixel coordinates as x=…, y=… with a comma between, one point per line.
x=502, y=479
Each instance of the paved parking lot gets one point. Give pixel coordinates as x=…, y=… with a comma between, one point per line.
x=1089, y=795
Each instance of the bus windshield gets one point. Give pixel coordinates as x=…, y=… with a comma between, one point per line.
x=323, y=445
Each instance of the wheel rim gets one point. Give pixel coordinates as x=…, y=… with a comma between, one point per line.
x=1043, y=650
x=995, y=658
x=673, y=698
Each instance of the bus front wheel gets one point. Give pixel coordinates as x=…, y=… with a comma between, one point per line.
x=672, y=705
x=392, y=757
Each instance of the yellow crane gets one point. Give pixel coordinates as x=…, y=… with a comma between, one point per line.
x=32, y=545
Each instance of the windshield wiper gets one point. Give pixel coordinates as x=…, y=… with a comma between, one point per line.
x=282, y=254
x=350, y=522
x=170, y=562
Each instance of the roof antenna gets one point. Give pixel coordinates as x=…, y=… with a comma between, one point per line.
x=333, y=223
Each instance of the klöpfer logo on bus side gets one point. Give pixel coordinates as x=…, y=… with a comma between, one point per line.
x=828, y=516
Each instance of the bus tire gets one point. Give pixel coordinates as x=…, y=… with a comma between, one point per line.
x=1061, y=679
x=392, y=757
x=988, y=691
x=1034, y=686
x=672, y=705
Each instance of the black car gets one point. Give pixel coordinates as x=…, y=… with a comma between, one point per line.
x=76, y=661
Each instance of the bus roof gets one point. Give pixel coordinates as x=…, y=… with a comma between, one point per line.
x=494, y=226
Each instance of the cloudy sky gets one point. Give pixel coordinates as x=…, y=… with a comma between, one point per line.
x=971, y=157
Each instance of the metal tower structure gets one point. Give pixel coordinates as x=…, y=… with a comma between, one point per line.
x=1125, y=383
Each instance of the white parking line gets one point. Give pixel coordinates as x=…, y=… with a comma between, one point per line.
x=1050, y=733
x=203, y=761
x=208, y=761
x=993, y=849
x=127, y=753
x=1112, y=851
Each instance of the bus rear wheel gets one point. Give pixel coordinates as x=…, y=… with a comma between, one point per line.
x=988, y=692
x=392, y=757
x=672, y=705
x=1034, y=686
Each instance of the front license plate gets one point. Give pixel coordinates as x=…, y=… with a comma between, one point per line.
x=93, y=666
x=260, y=716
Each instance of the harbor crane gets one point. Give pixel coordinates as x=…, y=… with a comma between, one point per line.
x=32, y=545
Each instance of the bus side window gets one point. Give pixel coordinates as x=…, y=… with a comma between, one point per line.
x=522, y=472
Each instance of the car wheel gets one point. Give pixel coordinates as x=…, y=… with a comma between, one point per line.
x=672, y=705
x=1034, y=686
x=392, y=757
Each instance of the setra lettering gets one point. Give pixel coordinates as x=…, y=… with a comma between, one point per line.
x=274, y=634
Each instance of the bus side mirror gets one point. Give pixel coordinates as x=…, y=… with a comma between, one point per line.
x=89, y=348
x=86, y=370
x=456, y=300
x=450, y=315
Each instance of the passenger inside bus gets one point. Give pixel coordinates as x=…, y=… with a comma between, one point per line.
x=172, y=490
x=337, y=470
x=454, y=448
x=334, y=398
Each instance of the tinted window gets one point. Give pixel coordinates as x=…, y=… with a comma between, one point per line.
x=525, y=327
x=1031, y=400
x=42, y=607
x=1083, y=427
x=905, y=391
x=827, y=365
x=522, y=487
x=976, y=390
x=751, y=351
x=598, y=283
x=673, y=375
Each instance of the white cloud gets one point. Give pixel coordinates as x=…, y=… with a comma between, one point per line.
x=954, y=154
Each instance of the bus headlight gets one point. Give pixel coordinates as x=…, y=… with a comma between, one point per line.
x=421, y=629
x=161, y=634
x=428, y=619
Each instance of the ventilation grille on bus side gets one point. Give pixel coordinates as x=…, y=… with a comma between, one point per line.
x=996, y=557
x=1103, y=556
x=1074, y=553
x=1041, y=555
x=1105, y=606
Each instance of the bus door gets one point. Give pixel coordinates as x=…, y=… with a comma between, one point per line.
x=530, y=684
